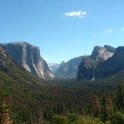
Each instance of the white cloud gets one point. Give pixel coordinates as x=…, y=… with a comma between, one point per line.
x=109, y=30
x=76, y=14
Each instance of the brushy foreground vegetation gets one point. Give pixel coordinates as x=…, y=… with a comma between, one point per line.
x=75, y=119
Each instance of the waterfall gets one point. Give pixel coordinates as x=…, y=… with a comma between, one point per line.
x=93, y=78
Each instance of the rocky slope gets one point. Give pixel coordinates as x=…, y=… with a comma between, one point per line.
x=112, y=65
x=102, y=53
x=28, y=56
x=88, y=64
x=68, y=70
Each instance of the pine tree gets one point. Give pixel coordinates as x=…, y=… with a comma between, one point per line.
x=120, y=97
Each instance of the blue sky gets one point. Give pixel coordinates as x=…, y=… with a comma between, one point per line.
x=63, y=29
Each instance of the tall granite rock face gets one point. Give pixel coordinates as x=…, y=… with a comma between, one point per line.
x=112, y=65
x=11, y=73
x=68, y=70
x=86, y=68
x=88, y=64
x=102, y=53
x=28, y=56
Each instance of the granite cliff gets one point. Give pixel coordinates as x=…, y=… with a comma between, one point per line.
x=88, y=64
x=28, y=56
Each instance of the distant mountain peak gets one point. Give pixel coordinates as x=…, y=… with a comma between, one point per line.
x=111, y=66
x=68, y=70
x=110, y=48
x=119, y=53
x=87, y=66
x=53, y=66
x=102, y=53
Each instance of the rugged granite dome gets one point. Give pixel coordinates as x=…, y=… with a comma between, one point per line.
x=28, y=56
x=88, y=64
x=101, y=53
x=68, y=70
x=112, y=65
x=110, y=48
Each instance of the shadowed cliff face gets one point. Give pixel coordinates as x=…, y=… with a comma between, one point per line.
x=28, y=56
x=86, y=68
x=112, y=65
x=68, y=70
x=88, y=64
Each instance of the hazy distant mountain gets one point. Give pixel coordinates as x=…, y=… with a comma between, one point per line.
x=68, y=70
x=88, y=64
x=28, y=56
x=53, y=67
x=112, y=65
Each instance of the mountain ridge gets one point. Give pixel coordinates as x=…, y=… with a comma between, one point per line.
x=98, y=55
x=68, y=70
x=28, y=56
x=112, y=65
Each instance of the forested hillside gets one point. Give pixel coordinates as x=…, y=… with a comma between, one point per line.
x=67, y=102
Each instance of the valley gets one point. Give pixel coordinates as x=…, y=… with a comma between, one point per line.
x=61, y=62
x=80, y=96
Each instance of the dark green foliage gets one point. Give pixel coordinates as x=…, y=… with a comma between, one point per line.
x=120, y=97
x=75, y=119
x=72, y=118
x=104, y=112
x=58, y=120
x=118, y=118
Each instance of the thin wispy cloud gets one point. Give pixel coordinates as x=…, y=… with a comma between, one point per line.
x=76, y=14
x=122, y=29
x=109, y=30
